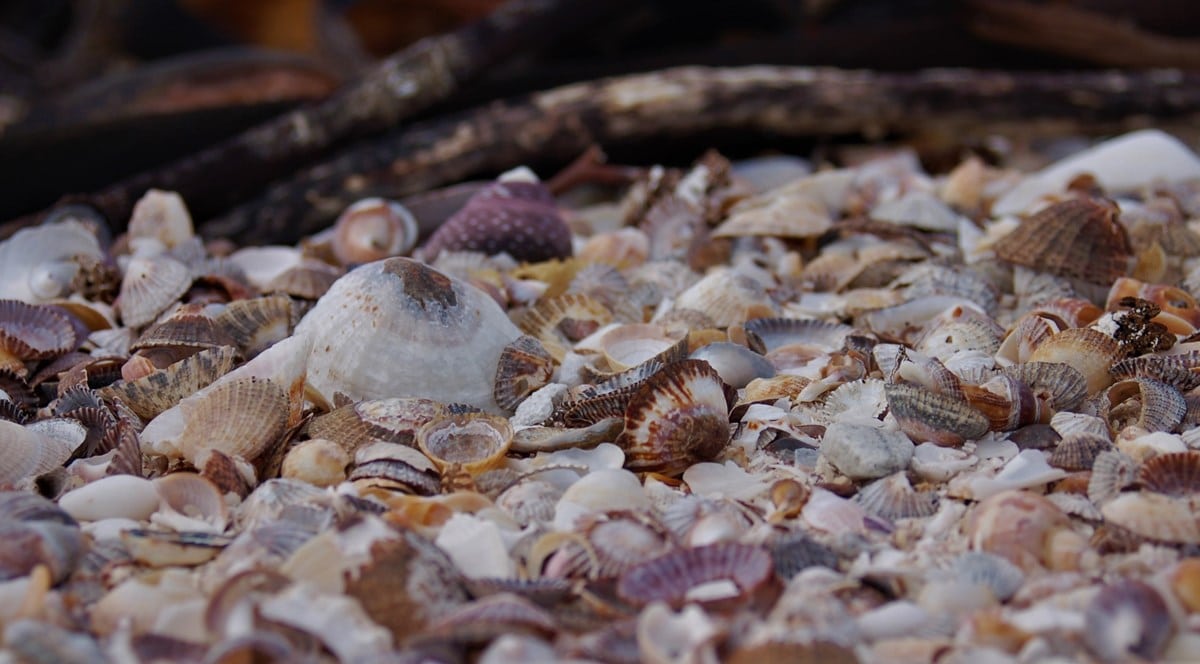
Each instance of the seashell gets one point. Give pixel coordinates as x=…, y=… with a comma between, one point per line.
x=792, y=211
x=372, y=229
x=1144, y=402
x=156, y=392
x=319, y=462
x=919, y=209
x=395, y=467
x=1181, y=371
x=679, y=416
x=864, y=451
x=928, y=279
x=1127, y=620
x=1029, y=332
x=1112, y=471
x=33, y=332
x=545, y=319
x=116, y=496
x=1007, y=403
x=38, y=641
x=1089, y=351
x=170, y=549
x=151, y=284
x=308, y=279
x=1078, y=451
x=727, y=297
x=621, y=541
x=190, y=502
x=443, y=338
x=938, y=418
x=720, y=571
x=664, y=636
x=904, y=321
x=474, y=441
x=516, y=215
x=1172, y=474
x=39, y=263
x=1079, y=238
x=999, y=575
x=1062, y=385
x=407, y=584
x=893, y=497
x=795, y=551
x=256, y=323
x=1154, y=516
x=735, y=364
x=1014, y=525
x=959, y=329
x=496, y=615
x=623, y=248
x=390, y=420
x=768, y=335
x=27, y=545
x=1179, y=310
x=605, y=284
x=26, y=452
x=626, y=346
x=240, y=417
x=187, y=327
x=161, y=216
x=524, y=367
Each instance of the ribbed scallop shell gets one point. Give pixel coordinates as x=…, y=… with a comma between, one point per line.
x=1173, y=474
x=475, y=441
x=893, y=497
x=929, y=416
x=1078, y=451
x=191, y=496
x=1112, y=472
x=398, y=328
x=959, y=329
x=151, y=285
x=1127, y=621
x=309, y=279
x=256, y=323
x=1150, y=404
x=241, y=417
x=158, y=391
x=1062, y=383
x=679, y=416
x=1078, y=238
x=1090, y=351
x=33, y=332
x=1155, y=516
x=728, y=298
x=589, y=404
x=543, y=319
x=622, y=541
x=188, y=327
x=395, y=468
x=1030, y=330
x=670, y=577
x=524, y=367
x=1181, y=371
x=932, y=279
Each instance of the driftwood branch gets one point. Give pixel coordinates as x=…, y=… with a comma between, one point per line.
x=778, y=101
x=396, y=89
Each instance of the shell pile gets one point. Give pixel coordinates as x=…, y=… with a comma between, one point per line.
x=748, y=412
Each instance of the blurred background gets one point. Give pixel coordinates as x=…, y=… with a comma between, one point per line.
x=92, y=91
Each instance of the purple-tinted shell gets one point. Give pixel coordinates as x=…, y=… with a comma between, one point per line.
x=520, y=218
x=671, y=576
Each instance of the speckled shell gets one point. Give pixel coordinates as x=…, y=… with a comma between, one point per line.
x=398, y=328
x=517, y=217
x=1078, y=238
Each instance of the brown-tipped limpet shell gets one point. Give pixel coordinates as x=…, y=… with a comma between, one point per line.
x=1173, y=474
x=893, y=497
x=476, y=441
x=927, y=416
x=150, y=286
x=524, y=367
x=442, y=337
x=678, y=417
x=240, y=417
x=1078, y=238
x=256, y=323
x=713, y=572
x=371, y=229
x=1090, y=351
x=158, y=391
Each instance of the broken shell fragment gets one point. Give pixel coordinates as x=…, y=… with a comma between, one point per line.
x=474, y=441
x=372, y=229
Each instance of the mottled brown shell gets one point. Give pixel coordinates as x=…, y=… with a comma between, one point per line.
x=1079, y=450
x=524, y=367
x=1174, y=474
x=1078, y=238
x=542, y=321
x=256, y=323
x=678, y=417
x=32, y=332
x=158, y=391
x=187, y=327
x=925, y=415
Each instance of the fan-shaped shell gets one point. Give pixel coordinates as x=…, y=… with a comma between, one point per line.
x=1182, y=370
x=152, y=394
x=893, y=497
x=1078, y=238
x=308, y=279
x=256, y=323
x=1078, y=451
x=1090, y=351
x=190, y=502
x=767, y=335
x=788, y=212
x=188, y=327
x=542, y=321
x=476, y=441
x=151, y=285
x=1064, y=386
x=442, y=338
x=387, y=420
x=495, y=615
x=1150, y=404
x=25, y=452
x=372, y=229
x=1155, y=516
x=673, y=576
x=33, y=332
x=728, y=298
x=679, y=416
x=1173, y=474
x=241, y=417
x=524, y=367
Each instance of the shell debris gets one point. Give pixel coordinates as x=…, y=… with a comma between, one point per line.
x=829, y=419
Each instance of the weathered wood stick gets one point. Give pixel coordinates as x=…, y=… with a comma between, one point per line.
x=397, y=88
x=781, y=101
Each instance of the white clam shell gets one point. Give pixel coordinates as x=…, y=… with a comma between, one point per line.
x=397, y=328
x=116, y=496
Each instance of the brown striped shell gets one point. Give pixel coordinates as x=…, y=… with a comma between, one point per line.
x=893, y=497
x=1078, y=451
x=241, y=417
x=1078, y=238
x=160, y=390
x=925, y=415
x=395, y=420
x=33, y=332
x=679, y=416
x=671, y=577
x=544, y=319
x=1173, y=474
x=524, y=367
x=256, y=323
x=1147, y=403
